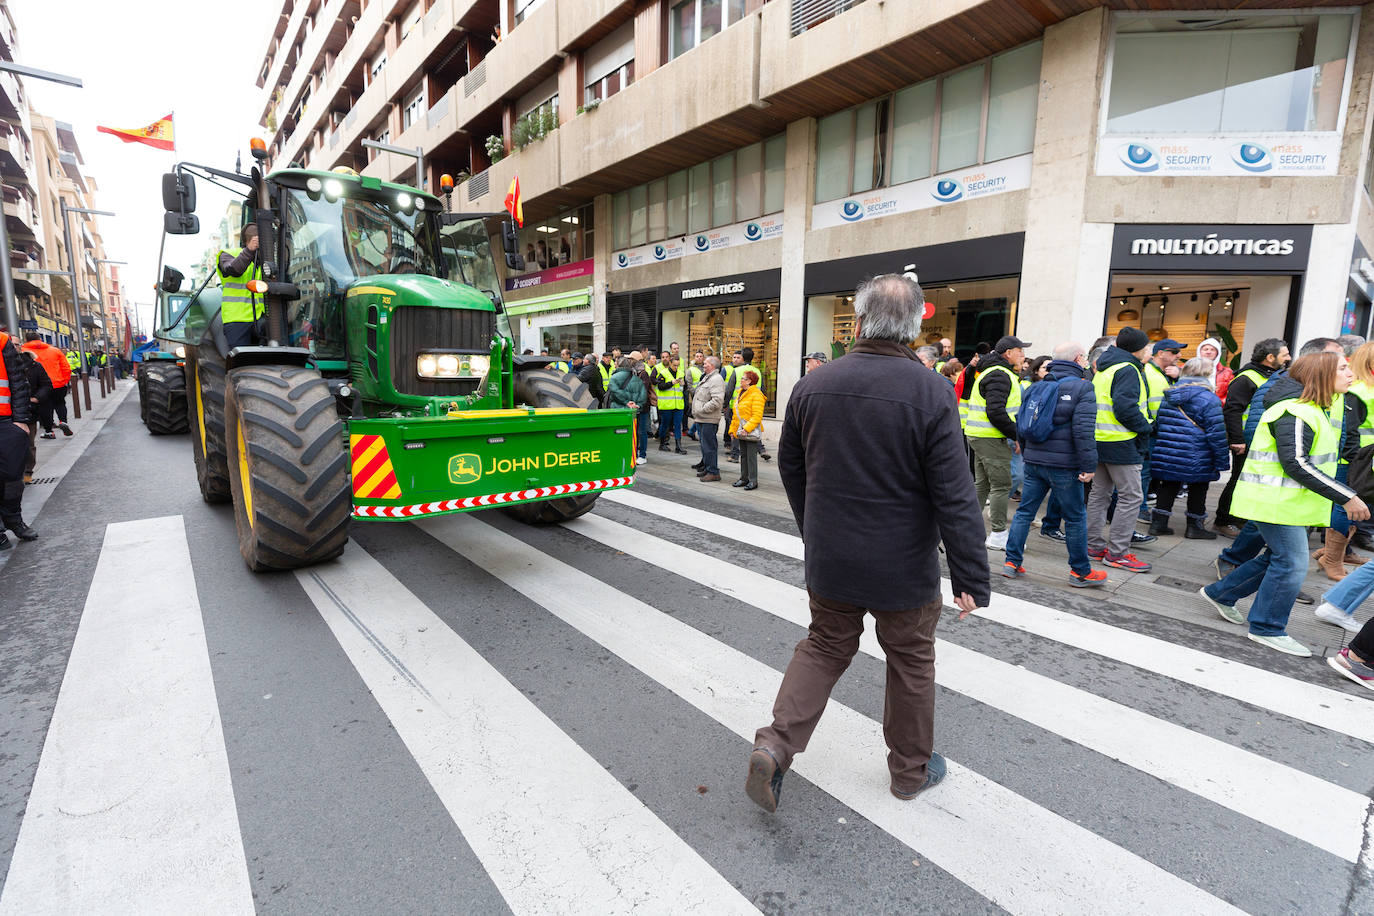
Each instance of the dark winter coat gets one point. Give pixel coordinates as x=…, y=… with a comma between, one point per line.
x=1126, y=387
x=1072, y=443
x=876, y=473
x=1190, y=442
x=626, y=387
x=996, y=388
x=21, y=411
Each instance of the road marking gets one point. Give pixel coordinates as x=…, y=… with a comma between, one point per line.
x=132, y=808
x=1311, y=703
x=1019, y=855
x=1326, y=815
x=547, y=821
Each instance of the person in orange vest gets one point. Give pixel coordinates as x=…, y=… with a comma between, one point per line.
x=54, y=362
x=16, y=413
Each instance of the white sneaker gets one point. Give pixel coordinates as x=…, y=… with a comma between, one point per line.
x=639, y=461
x=1283, y=643
x=998, y=540
x=1329, y=613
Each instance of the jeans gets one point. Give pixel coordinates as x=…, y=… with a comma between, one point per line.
x=1126, y=479
x=642, y=432
x=1062, y=485
x=1339, y=520
x=670, y=421
x=710, y=453
x=992, y=477
x=1245, y=547
x=1018, y=472
x=1274, y=578
x=1351, y=592
x=1053, y=514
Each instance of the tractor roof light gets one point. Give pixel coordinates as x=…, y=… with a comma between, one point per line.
x=446, y=183
x=258, y=147
x=257, y=286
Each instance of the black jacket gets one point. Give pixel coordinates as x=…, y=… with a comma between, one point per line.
x=1293, y=441
x=1238, y=395
x=591, y=375
x=1072, y=443
x=876, y=473
x=21, y=411
x=996, y=388
x=1126, y=387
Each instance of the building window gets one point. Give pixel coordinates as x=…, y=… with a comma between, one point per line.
x=1242, y=72
x=979, y=114
x=381, y=136
x=378, y=65
x=562, y=240
x=611, y=83
x=690, y=22
x=412, y=18
x=523, y=8
x=414, y=107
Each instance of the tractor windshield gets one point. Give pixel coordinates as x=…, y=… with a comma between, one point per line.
x=331, y=243
x=467, y=249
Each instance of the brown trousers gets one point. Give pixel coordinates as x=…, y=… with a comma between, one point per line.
x=908, y=640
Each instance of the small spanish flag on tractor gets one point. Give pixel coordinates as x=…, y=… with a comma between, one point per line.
x=373, y=475
x=513, y=204
x=158, y=134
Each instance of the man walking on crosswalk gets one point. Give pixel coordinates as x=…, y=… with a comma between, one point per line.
x=848, y=435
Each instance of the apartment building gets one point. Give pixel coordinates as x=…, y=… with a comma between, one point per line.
x=724, y=173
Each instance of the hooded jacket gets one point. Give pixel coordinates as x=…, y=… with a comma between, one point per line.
x=1126, y=388
x=21, y=411
x=53, y=361
x=626, y=387
x=1072, y=443
x=1190, y=439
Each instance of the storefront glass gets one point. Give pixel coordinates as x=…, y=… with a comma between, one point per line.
x=575, y=337
x=1190, y=309
x=722, y=330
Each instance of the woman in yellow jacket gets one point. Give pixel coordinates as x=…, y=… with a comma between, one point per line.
x=747, y=426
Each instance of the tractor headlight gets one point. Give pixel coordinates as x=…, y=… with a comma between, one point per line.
x=452, y=365
x=180, y=352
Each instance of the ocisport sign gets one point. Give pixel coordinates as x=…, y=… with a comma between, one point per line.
x=1267, y=154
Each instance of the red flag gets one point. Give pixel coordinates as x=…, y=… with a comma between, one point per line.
x=158, y=133
x=513, y=204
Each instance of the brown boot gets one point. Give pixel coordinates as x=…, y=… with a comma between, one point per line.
x=1330, y=557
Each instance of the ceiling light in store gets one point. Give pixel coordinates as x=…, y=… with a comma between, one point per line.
x=1122, y=301
x=1128, y=315
x=951, y=289
x=1229, y=300
x=1164, y=287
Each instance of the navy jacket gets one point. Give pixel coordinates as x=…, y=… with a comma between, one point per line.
x=1071, y=444
x=1126, y=386
x=1190, y=442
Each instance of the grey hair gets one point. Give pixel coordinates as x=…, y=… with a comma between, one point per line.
x=713, y=362
x=889, y=307
x=1198, y=367
x=1349, y=342
x=928, y=353
x=1069, y=351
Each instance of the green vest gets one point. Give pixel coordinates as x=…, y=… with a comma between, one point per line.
x=672, y=398
x=1108, y=428
x=694, y=371
x=74, y=360
x=1158, y=383
x=238, y=303
x=940, y=366
x=563, y=366
x=1259, y=380
x=739, y=373
x=978, y=426
x=606, y=373
x=1365, y=392
x=1264, y=492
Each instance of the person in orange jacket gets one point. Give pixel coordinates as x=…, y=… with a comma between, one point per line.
x=54, y=362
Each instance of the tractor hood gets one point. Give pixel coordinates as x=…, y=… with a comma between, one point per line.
x=394, y=290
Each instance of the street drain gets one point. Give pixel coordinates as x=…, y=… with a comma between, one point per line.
x=1180, y=584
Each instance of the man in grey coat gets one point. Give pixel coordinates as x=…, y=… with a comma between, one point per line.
x=708, y=400
x=870, y=456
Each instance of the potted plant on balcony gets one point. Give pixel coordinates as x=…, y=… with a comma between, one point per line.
x=496, y=148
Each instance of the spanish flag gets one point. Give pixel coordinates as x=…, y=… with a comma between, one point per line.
x=513, y=204
x=158, y=133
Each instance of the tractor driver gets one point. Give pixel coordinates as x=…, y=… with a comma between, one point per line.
x=241, y=306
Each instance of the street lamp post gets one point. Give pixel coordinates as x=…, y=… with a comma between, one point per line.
x=418, y=153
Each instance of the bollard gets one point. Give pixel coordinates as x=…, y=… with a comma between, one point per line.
x=86, y=388
x=100, y=377
x=76, y=398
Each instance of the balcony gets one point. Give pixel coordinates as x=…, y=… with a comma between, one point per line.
x=589, y=20
x=7, y=46
x=537, y=165
x=525, y=58
x=16, y=159
x=11, y=98
x=20, y=219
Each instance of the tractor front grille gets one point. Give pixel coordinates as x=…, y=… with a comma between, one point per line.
x=422, y=329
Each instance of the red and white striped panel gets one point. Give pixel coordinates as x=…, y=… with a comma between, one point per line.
x=482, y=502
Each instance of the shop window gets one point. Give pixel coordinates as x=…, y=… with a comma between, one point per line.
x=749, y=182
x=834, y=146
x=639, y=215
x=722, y=330
x=620, y=220
x=554, y=242
x=699, y=198
x=1012, y=91
x=870, y=145
x=774, y=169
x=658, y=205
x=913, y=132
x=961, y=118
x=574, y=337
x=1241, y=73
x=690, y=22
x=677, y=204
x=722, y=181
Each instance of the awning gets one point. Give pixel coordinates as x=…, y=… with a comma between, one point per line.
x=579, y=299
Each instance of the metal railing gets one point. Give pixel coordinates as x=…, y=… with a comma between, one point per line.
x=807, y=14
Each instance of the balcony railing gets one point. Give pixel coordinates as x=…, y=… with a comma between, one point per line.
x=810, y=13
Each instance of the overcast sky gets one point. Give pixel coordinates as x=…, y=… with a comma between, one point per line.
x=139, y=60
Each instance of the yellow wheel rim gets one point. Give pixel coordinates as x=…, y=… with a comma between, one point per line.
x=200, y=413
x=245, y=482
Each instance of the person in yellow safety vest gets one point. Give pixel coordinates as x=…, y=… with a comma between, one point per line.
x=1350, y=412
x=991, y=430
x=1266, y=357
x=1161, y=371
x=668, y=379
x=74, y=361
x=694, y=373
x=240, y=307
x=607, y=368
x=1123, y=419
x=727, y=373
x=732, y=393
x=564, y=363
x=1289, y=483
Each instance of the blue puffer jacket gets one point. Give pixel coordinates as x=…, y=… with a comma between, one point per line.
x=1072, y=443
x=1190, y=444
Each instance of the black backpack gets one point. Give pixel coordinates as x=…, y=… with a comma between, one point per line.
x=1360, y=476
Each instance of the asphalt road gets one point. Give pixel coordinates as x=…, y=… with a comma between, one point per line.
x=469, y=715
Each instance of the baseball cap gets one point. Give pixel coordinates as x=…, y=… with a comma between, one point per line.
x=1167, y=343
x=817, y=355
x=577, y=356
x=1011, y=343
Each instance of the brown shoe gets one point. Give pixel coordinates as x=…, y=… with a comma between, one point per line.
x=709, y=478
x=764, y=784
x=1227, y=531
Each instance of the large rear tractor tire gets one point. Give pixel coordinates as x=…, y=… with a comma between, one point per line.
x=551, y=388
x=143, y=394
x=163, y=387
x=289, y=467
x=205, y=405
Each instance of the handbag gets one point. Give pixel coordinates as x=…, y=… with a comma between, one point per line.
x=750, y=435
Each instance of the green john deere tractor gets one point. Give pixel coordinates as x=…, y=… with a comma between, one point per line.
x=386, y=386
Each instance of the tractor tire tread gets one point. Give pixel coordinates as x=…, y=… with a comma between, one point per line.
x=551, y=388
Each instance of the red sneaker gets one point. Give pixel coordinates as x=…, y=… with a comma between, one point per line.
x=1012, y=571
x=1097, y=553
x=1128, y=562
x=1093, y=579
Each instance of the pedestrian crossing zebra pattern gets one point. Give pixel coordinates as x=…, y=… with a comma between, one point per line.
x=1062, y=798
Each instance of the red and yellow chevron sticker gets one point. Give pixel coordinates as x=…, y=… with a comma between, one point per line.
x=373, y=474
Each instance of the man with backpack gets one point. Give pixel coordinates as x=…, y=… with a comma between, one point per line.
x=1056, y=425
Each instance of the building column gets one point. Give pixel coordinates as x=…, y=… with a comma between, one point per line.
x=798, y=191
x=601, y=251
x=1065, y=270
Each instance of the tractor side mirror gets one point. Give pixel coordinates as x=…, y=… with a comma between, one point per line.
x=514, y=261
x=509, y=240
x=178, y=192
x=171, y=279
x=180, y=223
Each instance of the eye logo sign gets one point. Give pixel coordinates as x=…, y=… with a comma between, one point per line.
x=752, y=232
x=1139, y=158
x=851, y=211
x=947, y=191
x=1252, y=157
x=464, y=468
x=703, y=243
x=622, y=259
x=659, y=253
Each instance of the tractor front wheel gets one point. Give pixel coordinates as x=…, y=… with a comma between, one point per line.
x=288, y=467
x=551, y=388
x=163, y=388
